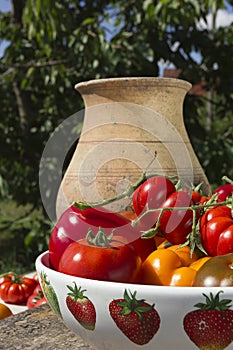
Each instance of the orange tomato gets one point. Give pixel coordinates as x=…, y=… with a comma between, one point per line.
x=185, y=254
x=196, y=265
x=167, y=267
x=5, y=311
x=183, y=276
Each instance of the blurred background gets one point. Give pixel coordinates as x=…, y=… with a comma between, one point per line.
x=47, y=46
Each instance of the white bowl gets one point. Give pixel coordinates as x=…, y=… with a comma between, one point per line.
x=171, y=303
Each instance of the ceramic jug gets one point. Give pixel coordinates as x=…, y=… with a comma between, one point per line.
x=131, y=126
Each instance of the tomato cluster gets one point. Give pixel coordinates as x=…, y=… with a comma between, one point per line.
x=95, y=243
x=216, y=227
x=19, y=289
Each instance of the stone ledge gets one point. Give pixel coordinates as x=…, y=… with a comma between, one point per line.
x=38, y=329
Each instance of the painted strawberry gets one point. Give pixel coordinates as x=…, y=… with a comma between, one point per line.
x=137, y=319
x=50, y=294
x=81, y=307
x=211, y=326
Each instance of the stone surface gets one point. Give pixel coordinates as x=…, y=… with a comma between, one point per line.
x=36, y=329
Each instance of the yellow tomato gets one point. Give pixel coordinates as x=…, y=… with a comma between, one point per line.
x=184, y=254
x=169, y=267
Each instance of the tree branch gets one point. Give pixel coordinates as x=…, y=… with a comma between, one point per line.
x=20, y=105
x=17, y=11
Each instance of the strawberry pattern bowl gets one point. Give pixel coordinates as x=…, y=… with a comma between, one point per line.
x=113, y=315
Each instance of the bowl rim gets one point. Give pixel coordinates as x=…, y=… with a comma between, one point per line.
x=148, y=288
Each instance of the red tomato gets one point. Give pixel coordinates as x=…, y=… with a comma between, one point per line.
x=224, y=191
x=175, y=225
x=219, y=211
x=150, y=195
x=37, y=298
x=74, y=224
x=216, y=229
x=225, y=242
x=204, y=199
x=116, y=262
x=16, y=289
x=144, y=246
x=196, y=197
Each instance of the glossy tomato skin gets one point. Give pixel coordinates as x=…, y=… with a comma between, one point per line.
x=169, y=267
x=216, y=229
x=144, y=246
x=196, y=197
x=74, y=224
x=16, y=290
x=219, y=211
x=223, y=192
x=153, y=192
x=119, y=262
x=225, y=242
x=175, y=225
x=150, y=195
x=216, y=272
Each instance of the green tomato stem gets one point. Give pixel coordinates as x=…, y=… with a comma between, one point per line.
x=192, y=207
x=8, y=273
x=100, y=239
x=127, y=193
x=227, y=179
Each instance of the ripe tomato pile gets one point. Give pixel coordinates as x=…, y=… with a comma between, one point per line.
x=172, y=236
x=21, y=290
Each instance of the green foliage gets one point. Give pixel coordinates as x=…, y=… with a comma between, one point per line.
x=24, y=233
x=55, y=44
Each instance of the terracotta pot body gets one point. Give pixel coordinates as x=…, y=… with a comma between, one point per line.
x=131, y=125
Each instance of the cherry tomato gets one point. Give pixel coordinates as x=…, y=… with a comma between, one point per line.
x=196, y=197
x=150, y=195
x=216, y=272
x=16, y=289
x=216, y=229
x=223, y=192
x=116, y=261
x=204, y=199
x=176, y=224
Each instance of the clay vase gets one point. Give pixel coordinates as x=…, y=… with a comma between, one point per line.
x=131, y=126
